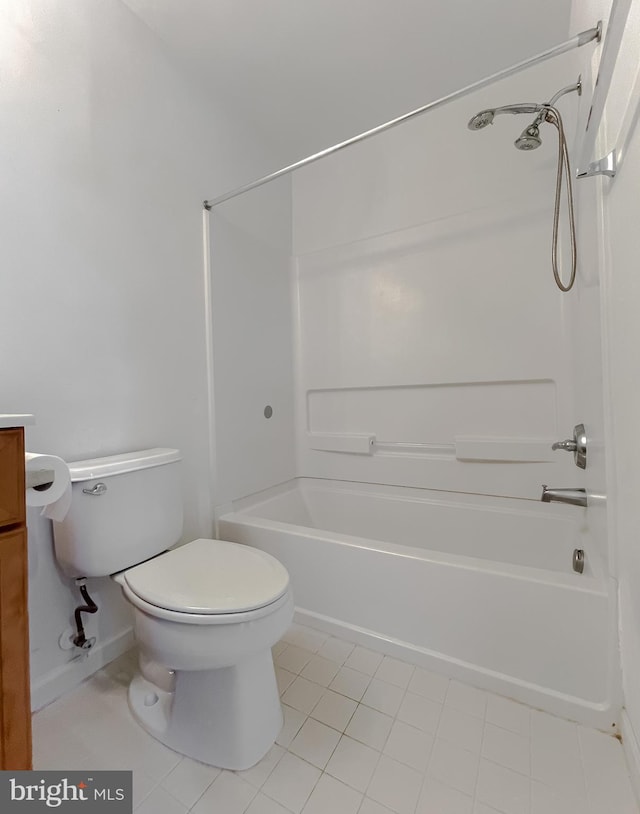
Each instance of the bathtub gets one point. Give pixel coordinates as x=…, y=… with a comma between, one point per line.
x=477, y=587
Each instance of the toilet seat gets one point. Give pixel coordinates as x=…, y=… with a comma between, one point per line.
x=207, y=578
x=207, y=619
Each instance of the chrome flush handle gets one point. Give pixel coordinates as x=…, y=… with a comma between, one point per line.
x=577, y=445
x=97, y=490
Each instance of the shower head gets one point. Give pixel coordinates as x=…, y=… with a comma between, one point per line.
x=529, y=139
x=481, y=119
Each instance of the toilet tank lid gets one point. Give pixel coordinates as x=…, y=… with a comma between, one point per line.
x=119, y=464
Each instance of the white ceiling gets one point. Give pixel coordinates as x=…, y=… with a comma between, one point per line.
x=309, y=73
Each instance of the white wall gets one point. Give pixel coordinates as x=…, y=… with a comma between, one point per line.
x=622, y=338
x=107, y=151
x=314, y=73
x=617, y=255
x=427, y=307
x=622, y=201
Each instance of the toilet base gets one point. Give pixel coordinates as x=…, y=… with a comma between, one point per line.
x=228, y=717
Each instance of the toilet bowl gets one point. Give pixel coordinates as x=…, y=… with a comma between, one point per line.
x=206, y=613
x=205, y=618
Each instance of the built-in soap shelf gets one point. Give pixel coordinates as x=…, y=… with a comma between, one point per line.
x=408, y=449
x=354, y=443
x=465, y=447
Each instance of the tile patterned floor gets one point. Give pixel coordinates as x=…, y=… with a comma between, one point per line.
x=363, y=734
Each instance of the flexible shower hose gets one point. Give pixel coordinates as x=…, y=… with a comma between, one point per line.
x=553, y=117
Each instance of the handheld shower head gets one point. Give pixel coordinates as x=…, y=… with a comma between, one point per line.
x=481, y=119
x=485, y=117
x=529, y=139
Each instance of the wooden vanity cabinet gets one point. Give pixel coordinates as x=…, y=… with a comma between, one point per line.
x=15, y=702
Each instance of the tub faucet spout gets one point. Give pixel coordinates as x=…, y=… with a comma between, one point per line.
x=576, y=497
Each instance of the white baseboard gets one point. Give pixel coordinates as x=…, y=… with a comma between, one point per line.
x=631, y=751
x=68, y=676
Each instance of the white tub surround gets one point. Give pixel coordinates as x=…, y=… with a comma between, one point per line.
x=455, y=583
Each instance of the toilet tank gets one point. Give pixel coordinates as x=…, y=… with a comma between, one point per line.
x=124, y=510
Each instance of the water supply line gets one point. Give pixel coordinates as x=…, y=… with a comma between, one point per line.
x=80, y=639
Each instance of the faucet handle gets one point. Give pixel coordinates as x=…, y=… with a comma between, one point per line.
x=569, y=445
x=577, y=445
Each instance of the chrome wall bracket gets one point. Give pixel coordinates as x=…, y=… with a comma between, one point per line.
x=604, y=166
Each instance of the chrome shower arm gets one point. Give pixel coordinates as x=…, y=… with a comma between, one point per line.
x=575, y=88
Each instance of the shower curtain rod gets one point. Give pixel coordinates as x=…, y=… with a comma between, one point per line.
x=575, y=42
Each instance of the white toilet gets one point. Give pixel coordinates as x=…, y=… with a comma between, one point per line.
x=206, y=614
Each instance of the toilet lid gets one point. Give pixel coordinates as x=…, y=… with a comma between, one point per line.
x=210, y=576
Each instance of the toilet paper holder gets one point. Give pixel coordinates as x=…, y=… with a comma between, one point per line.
x=39, y=478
